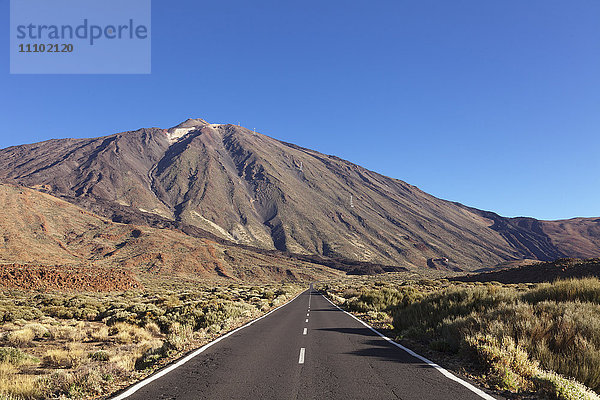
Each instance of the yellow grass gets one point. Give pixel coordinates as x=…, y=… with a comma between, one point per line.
x=17, y=386
x=64, y=358
x=74, y=333
x=20, y=337
x=513, y=332
x=98, y=333
x=90, y=344
x=125, y=333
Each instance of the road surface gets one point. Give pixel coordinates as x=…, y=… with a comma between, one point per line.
x=303, y=351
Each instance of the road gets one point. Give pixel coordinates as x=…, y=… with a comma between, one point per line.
x=294, y=353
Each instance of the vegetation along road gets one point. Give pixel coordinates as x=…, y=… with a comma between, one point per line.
x=307, y=349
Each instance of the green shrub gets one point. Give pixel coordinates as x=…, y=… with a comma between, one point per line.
x=15, y=356
x=507, y=365
x=583, y=290
x=153, y=356
x=514, y=332
x=99, y=355
x=384, y=299
x=562, y=388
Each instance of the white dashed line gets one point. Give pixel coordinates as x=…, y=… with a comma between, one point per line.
x=307, y=314
x=187, y=358
x=304, y=332
x=306, y=320
x=301, y=358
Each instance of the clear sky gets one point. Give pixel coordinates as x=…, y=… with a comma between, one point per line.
x=495, y=104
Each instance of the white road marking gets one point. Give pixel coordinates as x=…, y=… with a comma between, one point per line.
x=307, y=314
x=443, y=371
x=306, y=320
x=182, y=361
x=301, y=358
x=304, y=332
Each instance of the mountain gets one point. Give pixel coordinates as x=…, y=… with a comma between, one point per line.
x=563, y=268
x=229, y=182
x=44, y=239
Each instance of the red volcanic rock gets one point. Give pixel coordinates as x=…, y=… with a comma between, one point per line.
x=80, y=279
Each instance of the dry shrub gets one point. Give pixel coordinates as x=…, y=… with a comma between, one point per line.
x=127, y=356
x=508, y=366
x=582, y=290
x=83, y=382
x=7, y=368
x=180, y=336
x=24, y=336
x=75, y=352
x=125, y=333
x=70, y=357
x=350, y=292
x=555, y=325
x=45, y=320
x=18, y=386
x=20, y=337
x=562, y=388
x=98, y=333
x=69, y=333
x=40, y=331
x=153, y=329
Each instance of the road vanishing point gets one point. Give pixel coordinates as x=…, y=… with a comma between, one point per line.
x=307, y=349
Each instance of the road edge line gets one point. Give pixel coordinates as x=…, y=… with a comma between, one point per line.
x=137, y=386
x=442, y=370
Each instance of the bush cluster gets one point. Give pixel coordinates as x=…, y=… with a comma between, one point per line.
x=57, y=345
x=523, y=337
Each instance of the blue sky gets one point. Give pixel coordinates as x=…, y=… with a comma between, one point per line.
x=492, y=104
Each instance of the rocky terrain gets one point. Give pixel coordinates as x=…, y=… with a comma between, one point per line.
x=232, y=185
x=87, y=279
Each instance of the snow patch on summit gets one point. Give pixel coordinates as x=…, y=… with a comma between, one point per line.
x=177, y=132
x=174, y=134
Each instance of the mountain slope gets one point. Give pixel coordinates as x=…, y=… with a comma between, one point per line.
x=40, y=230
x=251, y=189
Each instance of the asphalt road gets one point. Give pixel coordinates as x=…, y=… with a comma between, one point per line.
x=294, y=353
